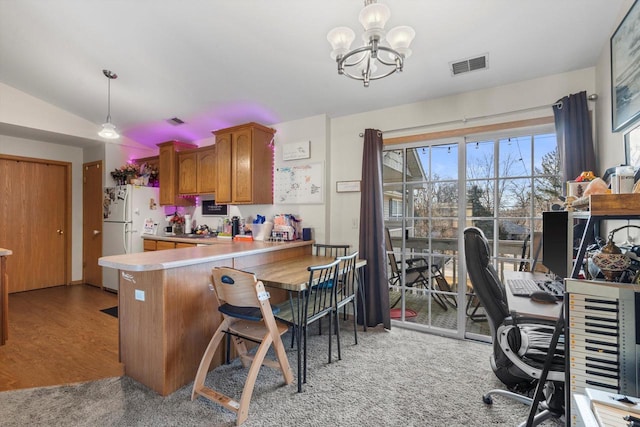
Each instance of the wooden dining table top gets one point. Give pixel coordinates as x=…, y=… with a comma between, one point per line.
x=292, y=274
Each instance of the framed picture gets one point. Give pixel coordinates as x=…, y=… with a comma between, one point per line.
x=625, y=72
x=347, y=186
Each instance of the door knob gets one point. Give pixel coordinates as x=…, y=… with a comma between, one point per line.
x=96, y=232
x=59, y=231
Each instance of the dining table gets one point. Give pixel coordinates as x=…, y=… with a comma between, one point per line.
x=292, y=275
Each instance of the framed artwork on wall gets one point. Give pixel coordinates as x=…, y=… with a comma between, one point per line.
x=625, y=72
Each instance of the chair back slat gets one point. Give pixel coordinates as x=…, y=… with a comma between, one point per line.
x=322, y=249
x=346, y=284
x=235, y=287
x=320, y=289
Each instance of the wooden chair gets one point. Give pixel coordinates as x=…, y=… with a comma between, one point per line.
x=345, y=292
x=246, y=315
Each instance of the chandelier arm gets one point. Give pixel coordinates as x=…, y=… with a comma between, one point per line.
x=393, y=52
x=342, y=60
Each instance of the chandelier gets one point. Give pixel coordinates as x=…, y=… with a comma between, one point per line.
x=108, y=130
x=363, y=62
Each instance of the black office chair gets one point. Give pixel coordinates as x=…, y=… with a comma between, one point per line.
x=520, y=345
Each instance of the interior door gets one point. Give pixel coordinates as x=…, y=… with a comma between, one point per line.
x=92, y=225
x=34, y=221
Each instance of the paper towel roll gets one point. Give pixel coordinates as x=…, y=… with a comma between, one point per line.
x=187, y=224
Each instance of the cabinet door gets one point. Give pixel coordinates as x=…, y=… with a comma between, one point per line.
x=223, y=168
x=242, y=176
x=187, y=168
x=167, y=174
x=162, y=245
x=149, y=245
x=207, y=170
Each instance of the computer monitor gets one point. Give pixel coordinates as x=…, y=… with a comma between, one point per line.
x=557, y=243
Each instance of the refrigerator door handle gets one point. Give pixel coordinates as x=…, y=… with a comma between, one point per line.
x=125, y=237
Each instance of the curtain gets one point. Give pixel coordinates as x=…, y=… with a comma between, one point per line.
x=573, y=130
x=371, y=242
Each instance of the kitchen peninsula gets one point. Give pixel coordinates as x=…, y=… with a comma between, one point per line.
x=167, y=311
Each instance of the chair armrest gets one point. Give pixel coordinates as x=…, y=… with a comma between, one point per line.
x=540, y=336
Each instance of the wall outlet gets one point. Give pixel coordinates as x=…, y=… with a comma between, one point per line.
x=139, y=295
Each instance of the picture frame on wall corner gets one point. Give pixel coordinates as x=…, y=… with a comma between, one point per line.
x=625, y=73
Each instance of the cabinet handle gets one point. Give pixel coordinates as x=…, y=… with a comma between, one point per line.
x=96, y=232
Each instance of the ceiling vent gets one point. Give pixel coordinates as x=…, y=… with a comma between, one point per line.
x=175, y=121
x=470, y=64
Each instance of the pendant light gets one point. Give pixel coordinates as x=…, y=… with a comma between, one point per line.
x=108, y=130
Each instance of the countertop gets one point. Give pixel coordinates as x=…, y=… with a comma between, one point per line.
x=5, y=252
x=173, y=258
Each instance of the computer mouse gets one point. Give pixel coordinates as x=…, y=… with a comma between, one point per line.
x=543, y=297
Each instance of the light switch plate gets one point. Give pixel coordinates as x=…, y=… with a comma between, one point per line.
x=139, y=295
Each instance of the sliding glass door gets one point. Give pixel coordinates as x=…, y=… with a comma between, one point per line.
x=433, y=190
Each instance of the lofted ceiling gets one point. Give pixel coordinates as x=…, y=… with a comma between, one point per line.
x=219, y=63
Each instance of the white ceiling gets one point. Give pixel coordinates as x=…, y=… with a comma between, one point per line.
x=217, y=63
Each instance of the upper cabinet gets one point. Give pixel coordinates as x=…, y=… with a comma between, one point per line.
x=168, y=167
x=244, y=164
x=197, y=171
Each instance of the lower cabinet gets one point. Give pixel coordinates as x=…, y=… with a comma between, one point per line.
x=159, y=245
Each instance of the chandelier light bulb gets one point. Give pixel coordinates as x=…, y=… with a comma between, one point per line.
x=374, y=16
x=340, y=39
x=399, y=38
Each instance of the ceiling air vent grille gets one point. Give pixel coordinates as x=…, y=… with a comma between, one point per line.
x=470, y=64
x=175, y=121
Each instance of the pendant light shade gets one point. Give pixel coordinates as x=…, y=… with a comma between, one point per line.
x=108, y=130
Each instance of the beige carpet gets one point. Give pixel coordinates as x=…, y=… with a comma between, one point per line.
x=392, y=378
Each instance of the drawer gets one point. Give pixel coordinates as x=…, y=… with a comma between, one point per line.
x=149, y=245
x=165, y=245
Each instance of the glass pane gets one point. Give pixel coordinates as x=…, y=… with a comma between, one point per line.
x=392, y=166
x=419, y=204
x=417, y=164
x=546, y=159
x=515, y=197
x=480, y=198
x=444, y=162
x=515, y=156
x=393, y=202
x=480, y=160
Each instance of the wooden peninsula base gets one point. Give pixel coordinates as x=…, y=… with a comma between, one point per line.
x=167, y=311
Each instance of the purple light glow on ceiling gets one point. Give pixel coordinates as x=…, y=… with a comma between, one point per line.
x=200, y=127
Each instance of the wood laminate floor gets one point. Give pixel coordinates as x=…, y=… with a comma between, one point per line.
x=59, y=336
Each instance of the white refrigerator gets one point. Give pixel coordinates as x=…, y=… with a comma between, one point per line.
x=127, y=208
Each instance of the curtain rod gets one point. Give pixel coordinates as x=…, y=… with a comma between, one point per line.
x=464, y=120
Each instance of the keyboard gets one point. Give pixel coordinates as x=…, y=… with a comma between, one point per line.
x=525, y=287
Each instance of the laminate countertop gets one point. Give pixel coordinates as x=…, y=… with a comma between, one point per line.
x=173, y=258
x=186, y=239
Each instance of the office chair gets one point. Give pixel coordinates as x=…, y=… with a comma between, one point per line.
x=520, y=345
x=246, y=316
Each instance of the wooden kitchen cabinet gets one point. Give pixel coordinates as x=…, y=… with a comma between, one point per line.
x=187, y=167
x=244, y=163
x=149, y=245
x=197, y=171
x=168, y=173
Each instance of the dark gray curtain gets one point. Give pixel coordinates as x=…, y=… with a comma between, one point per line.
x=372, y=248
x=573, y=130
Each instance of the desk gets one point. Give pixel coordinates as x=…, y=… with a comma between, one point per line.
x=523, y=305
x=292, y=275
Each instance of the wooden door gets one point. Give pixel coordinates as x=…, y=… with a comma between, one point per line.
x=223, y=167
x=167, y=164
x=242, y=177
x=207, y=170
x=35, y=221
x=92, y=199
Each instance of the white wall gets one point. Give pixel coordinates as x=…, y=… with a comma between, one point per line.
x=43, y=150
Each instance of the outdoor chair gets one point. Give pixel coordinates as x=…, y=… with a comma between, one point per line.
x=246, y=316
x=417, y=272
x=520, y=345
